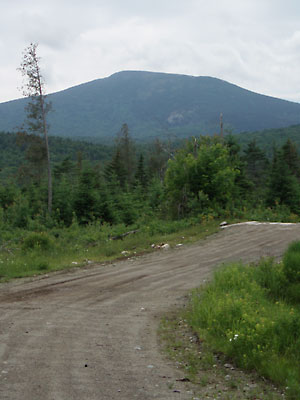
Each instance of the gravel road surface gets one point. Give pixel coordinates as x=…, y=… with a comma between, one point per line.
x=91, y=333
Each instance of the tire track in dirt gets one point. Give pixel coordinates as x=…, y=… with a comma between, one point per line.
x=91, y=334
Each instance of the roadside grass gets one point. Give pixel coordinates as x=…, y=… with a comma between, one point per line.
x=208, y=374
x=27, y=253
x=251, y=315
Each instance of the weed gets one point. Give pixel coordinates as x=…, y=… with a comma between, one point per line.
x=43, y=266
x=246, y=313
x=170, y=385
x=195, y=358
x=291, y=262
x=233, y=384
x=26, y=253
x=204, y=380
x=37, y=241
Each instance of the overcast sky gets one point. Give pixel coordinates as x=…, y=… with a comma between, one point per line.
x=252, y=43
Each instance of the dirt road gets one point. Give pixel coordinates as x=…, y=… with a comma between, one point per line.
x=91, y=334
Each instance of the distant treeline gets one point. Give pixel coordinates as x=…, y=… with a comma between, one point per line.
x=204, y=177
x=270, y=138
x=12, y=153
x=97, y=150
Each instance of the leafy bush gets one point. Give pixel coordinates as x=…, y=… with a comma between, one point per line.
x=197, y=179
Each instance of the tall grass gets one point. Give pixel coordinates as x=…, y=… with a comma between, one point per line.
x=252, y=314
x=26, y=253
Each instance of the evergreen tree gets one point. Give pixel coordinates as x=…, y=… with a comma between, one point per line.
x=86, y=198
x=291, y=157
x=65, y=168
x=141, y=176
x=256, y=164
x=283, y=187
x=115, y=170
x=242, y=185
x=33, y=170
x=233, y=146
x=63, y=201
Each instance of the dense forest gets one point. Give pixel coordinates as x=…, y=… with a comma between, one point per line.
x=125, y=183
x=13, y=152
x=267, y=139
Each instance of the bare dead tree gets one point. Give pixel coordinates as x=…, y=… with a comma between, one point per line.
x=37, y=108
x=221, y=125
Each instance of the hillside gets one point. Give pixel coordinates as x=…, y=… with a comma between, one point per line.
x=12, y=155
x=156, y=104
x=269, y=138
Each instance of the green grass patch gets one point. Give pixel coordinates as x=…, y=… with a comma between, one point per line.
x=26, y=253
x=205, y=371
x=252, y=315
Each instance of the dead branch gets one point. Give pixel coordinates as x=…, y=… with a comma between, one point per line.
x=121, y=237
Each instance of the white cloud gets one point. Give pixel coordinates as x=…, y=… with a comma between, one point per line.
x=253, y=43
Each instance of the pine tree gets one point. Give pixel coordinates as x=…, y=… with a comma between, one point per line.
x=291, y=157
x=115, y=170
x=141, y=176
x=86, y=198
x=283, y=186
x=256, y=164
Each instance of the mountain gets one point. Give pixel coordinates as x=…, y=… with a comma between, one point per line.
x=156, y=104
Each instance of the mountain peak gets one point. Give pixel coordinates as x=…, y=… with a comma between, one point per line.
x=156, y=104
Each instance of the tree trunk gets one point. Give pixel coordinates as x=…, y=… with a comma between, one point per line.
x=45, y=131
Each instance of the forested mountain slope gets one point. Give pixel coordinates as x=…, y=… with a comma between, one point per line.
x=267, y=139
x=156, y=104
x=13, y=154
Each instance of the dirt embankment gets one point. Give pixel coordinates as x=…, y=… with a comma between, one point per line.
x=91, y=334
